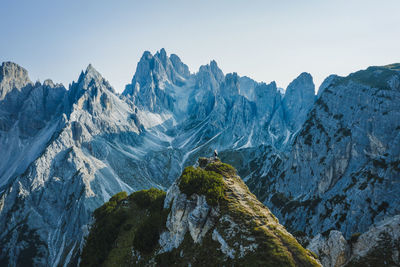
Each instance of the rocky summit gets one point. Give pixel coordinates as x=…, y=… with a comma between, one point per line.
x=327, y=165
x=207, y=217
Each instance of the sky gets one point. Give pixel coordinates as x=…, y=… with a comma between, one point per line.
x=265, y=40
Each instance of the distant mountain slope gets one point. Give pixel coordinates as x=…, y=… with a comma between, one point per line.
x=342, y=171
x=29, y=116
x=207, y=217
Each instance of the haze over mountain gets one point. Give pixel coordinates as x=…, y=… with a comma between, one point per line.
x=319, y=162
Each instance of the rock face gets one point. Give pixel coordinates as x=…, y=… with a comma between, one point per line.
x=69, y=165
x=233, y=228
x=298, y=99
x=342, y=170
x=193, y=216
x=333, y=251
x=29, y=117
x=152, y=85
x=12, y=77
x=379, y=246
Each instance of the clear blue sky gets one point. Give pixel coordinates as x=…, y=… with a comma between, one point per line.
x=266, y=40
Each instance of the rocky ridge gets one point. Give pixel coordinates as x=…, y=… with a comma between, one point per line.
x=207, y=226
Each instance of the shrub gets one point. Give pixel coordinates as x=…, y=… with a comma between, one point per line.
x=119, y=197
x=109, y=206
x=109, y=219
x=221, y=168
x=152, y=198
x=202, y=182
x=148, y=233
x=114, y=220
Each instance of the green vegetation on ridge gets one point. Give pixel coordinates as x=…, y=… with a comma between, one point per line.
x=376, y=77
x=202, y=182
x=127, y=228
x=122, y=223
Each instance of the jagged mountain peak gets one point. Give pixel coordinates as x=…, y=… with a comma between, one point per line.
x=179, y=66
x=160, y=67
x=303, y=82
x=92, y=74
x=209, y=77
x=90, y=68
x=268, y=99
x=330, y=80
x=247, y=87
x=12, y=76
x=271, y=85
x=49, y=83
x=231, y=85
x=91, y=88
x=162, y=52
x=154, y=82
x=299, y=98
x=162, y=55
x=265, y=92
x=213, y=68
x=232, y=79
x=146, y=56
x=11, y=69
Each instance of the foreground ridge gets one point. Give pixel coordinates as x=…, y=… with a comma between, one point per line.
x=207, y=216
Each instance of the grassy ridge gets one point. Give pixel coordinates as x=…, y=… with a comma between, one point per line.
x=128, y=225
x=122, y=223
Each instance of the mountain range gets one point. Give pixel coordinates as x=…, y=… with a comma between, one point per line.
x=321, y=163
